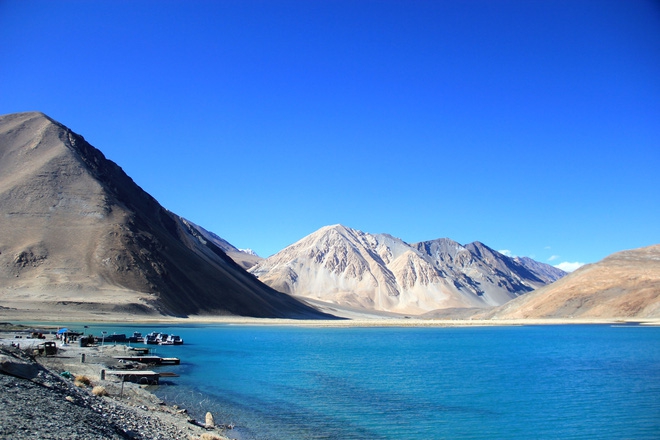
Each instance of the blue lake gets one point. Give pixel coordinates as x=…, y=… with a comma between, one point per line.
x=543, y=382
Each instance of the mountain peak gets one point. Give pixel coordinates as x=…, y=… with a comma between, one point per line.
x=380, y=272
x=74, y=228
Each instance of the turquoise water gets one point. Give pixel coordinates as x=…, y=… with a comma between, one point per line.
x=545, y=382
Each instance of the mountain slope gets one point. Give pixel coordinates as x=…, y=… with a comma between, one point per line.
x=75, y=229
x=379, y=272
x=546, y=272
x=245, y=259
x=624, y=285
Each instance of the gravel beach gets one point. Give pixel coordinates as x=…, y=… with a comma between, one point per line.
x=38, y=402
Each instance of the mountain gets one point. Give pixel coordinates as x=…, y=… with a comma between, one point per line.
x=548, y=273
x=378, y=272
x=76, y=231
x=246, y=258
x=623, y=285
x=249, y=252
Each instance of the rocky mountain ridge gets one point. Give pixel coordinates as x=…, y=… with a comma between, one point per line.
x=246, y=258
x=76, y=231
x=379, y=272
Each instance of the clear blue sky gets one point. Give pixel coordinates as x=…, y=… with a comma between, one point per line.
x=532, y=126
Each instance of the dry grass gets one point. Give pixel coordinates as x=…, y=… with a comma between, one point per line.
x=209, y=436
x=82, y=381
x=99, y=391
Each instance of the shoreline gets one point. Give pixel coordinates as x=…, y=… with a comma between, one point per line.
x=340, y=323
x=35, y=312
x=131, y=410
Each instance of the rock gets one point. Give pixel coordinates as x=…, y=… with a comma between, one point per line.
x=18, y=367
x=209, y=420
x=27, y=407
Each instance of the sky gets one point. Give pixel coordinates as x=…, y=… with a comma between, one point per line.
x=531, y=126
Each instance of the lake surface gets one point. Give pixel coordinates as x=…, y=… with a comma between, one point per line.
x=543, y=382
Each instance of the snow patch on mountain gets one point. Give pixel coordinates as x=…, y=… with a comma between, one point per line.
x=249, y=252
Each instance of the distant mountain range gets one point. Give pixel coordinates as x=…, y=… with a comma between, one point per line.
x=379, y=272
x=245, y=258
x=76, y=231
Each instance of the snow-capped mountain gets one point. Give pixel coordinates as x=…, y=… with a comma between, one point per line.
x=340, y=265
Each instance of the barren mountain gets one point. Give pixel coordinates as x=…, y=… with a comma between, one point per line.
x=546, y=272
x=75, y=230
x=379, y=272
x=624, y=285
x=244, y=258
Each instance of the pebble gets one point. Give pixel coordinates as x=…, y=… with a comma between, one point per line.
x=49, y=407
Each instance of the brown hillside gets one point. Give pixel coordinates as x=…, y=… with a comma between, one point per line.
x=75, y=229
x=624, y=285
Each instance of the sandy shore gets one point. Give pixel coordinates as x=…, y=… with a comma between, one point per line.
x=36, y=312
x=55, y=317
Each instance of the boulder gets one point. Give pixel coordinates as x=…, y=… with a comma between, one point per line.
x=18, y=367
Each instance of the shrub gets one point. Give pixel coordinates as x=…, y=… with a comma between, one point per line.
x=82, y=381
x=208, y=436
x=99, y=391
